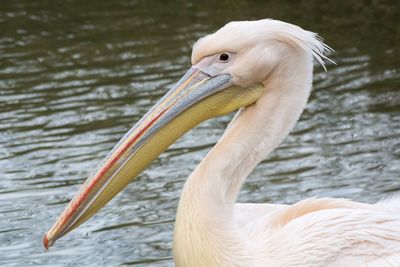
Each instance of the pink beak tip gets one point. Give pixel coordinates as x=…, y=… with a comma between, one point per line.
x=46, y=241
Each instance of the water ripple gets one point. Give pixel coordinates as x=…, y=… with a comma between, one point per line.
x=75, y=76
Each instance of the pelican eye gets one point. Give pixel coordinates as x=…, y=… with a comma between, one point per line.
x=224, y=57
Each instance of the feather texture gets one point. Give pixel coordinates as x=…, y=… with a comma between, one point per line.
x=211, y=229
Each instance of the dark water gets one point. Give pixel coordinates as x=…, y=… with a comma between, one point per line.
x=75, y=75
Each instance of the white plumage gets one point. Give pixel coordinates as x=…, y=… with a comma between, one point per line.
x=211, y=230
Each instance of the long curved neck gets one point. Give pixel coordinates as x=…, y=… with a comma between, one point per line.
x=205, y=218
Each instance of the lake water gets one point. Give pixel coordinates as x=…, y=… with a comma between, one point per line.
x=75, y=76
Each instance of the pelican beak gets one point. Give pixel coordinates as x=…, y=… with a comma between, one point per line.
x=196, y=97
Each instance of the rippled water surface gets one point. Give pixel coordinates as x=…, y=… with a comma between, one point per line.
x=75, y=76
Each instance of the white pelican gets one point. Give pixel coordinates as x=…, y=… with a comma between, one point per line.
x=265, y=68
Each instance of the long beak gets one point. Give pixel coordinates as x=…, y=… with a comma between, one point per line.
x=196, y=97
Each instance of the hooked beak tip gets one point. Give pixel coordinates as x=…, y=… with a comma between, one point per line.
x=46, y=242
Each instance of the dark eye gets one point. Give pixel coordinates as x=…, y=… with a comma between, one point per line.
x=224, y=57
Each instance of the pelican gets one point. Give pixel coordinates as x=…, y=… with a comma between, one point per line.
x=263, y=69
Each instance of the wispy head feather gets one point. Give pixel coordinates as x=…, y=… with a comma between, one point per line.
x=239, y=34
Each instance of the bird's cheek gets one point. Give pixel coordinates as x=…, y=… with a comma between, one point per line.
x=242, y=79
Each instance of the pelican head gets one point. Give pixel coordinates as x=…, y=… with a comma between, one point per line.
x=229, y=70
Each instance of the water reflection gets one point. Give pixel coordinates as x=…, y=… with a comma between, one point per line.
x=74, y=76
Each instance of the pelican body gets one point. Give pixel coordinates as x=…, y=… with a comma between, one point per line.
x=263, y=69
